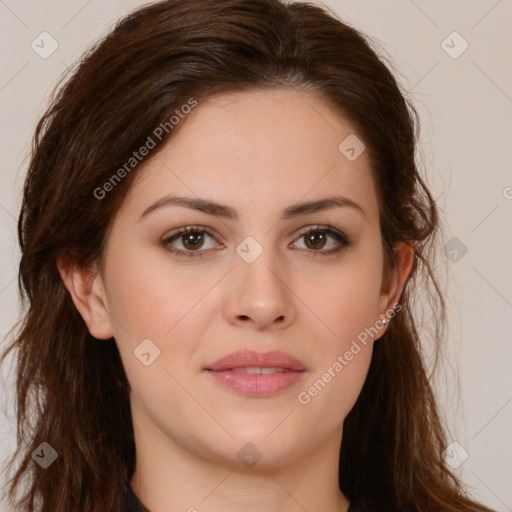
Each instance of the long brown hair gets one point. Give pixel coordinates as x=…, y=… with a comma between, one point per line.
x=72, y=391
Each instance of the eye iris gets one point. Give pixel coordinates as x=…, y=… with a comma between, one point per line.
x=315, y=238
x=190, y=236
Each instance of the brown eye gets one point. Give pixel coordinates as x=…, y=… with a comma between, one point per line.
x=317, y=238
x=192, y=240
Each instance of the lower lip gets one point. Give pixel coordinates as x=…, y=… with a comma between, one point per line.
x=257, y=384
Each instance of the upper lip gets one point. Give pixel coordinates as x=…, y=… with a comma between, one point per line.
x=250, y=358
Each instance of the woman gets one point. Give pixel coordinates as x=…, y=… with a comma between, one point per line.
x=181, y=347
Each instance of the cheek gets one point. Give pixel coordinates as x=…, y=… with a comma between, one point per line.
x=345, y=299
x=152, y=299
x=338, y=377
x=347, y=307
x=173, y=307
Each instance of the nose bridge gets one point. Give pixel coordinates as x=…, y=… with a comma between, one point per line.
x=257, y=265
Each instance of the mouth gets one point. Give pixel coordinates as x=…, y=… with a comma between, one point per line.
x=257, y=374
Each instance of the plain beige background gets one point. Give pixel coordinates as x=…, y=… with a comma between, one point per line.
x=464, y=97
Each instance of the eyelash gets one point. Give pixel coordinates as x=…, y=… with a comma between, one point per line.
x=325, y=229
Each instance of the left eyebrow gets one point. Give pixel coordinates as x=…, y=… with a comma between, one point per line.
x=221, y=210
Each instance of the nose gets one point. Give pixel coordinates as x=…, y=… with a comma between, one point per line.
x=260, y=295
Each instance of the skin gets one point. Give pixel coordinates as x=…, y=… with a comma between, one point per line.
x=257, y=152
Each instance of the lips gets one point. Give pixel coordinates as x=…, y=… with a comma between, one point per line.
x=252, y=359
x=257, y=374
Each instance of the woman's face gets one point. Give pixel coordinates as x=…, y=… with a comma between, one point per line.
x=254, y=280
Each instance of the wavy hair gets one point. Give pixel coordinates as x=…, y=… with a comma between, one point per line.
x=71, y=389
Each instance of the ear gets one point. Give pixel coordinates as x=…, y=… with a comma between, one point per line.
x=394, y=280
x=85, y=286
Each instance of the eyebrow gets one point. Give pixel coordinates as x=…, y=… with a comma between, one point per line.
x=224, y=211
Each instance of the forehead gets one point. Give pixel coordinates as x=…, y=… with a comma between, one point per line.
x=259, y=148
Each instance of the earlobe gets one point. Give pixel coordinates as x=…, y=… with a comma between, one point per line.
x=85, y=285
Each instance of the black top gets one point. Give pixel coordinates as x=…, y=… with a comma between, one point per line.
x=132, y=503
